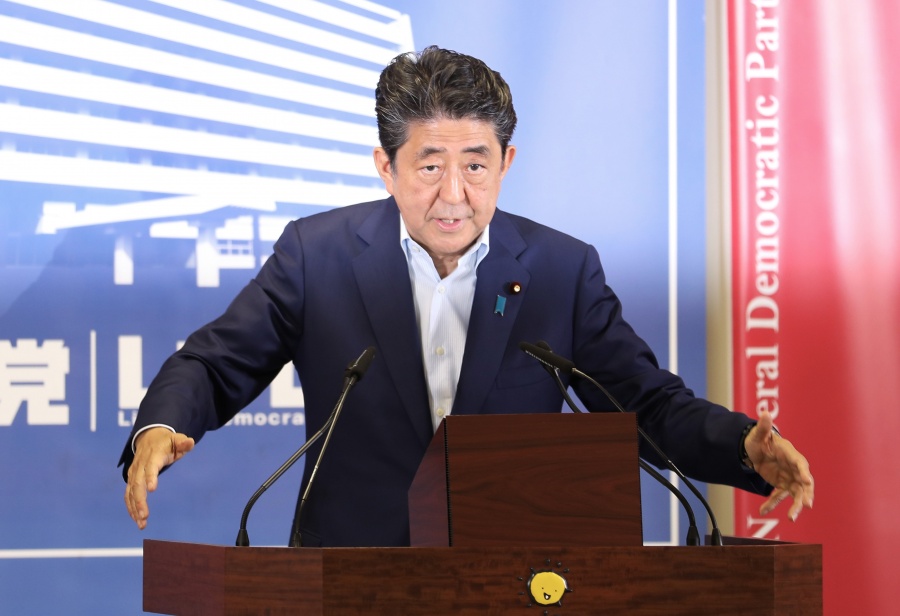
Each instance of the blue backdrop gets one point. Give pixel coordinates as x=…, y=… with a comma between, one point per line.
x=152, y=152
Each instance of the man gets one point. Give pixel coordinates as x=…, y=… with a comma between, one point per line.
x=418, y=276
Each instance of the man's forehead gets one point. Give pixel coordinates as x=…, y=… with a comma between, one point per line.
x=444, y=135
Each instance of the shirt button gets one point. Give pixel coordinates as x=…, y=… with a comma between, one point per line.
x=441, y=413
x=439, y=350
x=440, y=289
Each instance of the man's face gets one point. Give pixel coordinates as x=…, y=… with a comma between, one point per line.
x=446, y=183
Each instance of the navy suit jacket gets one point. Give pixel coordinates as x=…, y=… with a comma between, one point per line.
x=338, y=282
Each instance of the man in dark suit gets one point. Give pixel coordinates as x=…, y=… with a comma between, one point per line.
x=444, y=286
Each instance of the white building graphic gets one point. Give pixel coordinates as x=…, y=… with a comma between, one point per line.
x=274, y=109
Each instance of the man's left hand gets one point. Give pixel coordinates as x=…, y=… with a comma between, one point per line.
x=780, y=464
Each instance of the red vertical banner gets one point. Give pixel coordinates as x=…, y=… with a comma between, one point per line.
x=757, y=209
x=815, y=147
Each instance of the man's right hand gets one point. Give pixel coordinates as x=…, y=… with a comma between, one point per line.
x=155, y=449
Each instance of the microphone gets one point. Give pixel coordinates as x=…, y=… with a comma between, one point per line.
x=357, y=369
x=542, y=352
x=353, y=374
x=554, y=363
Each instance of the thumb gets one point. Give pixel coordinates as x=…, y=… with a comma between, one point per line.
x=759, y=442
x=765, y=423
x=763, y=434
x=181, y=445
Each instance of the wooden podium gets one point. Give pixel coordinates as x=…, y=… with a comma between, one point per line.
x=541, y=479
x=524, y=514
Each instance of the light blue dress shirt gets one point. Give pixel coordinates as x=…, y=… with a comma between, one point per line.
x=443, y=306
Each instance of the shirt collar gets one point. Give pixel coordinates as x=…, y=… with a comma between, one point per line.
x=480, y=247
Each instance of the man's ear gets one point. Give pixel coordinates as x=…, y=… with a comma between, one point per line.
x=508, y=160
x=383, y=166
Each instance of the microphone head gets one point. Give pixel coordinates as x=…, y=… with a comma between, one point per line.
x=358, y=368
x=547, y=357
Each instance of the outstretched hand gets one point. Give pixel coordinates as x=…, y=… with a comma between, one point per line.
x=781, y=465
x=155, y=449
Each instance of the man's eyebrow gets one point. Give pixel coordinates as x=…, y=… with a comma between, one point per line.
x=483, y=150
x=427, y=151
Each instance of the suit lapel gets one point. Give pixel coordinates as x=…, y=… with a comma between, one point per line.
x=383, y=278
x=488, y=334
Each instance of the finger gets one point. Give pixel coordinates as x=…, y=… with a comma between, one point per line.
x=139, y=500
x=805, y=492
x=136, y=498
x=128, y=503
x=773, y=501
x=141, y=479
x=151, y=477
x=803, y=497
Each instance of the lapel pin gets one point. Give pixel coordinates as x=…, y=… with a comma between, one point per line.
x=515, y=287
x=500, y=305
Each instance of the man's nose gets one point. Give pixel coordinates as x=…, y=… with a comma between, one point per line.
x=452, y=186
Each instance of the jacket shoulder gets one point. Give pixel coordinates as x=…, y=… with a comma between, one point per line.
x=534, y=236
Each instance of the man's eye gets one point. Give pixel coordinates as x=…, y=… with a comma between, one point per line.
x=430, y=168
x=475, y=167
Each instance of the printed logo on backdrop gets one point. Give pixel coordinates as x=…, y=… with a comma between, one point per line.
x=34, y=379
x=144, y=179
x=35, y=376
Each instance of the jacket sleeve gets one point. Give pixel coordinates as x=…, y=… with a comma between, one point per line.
x=701, y=438
x=226, y=364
